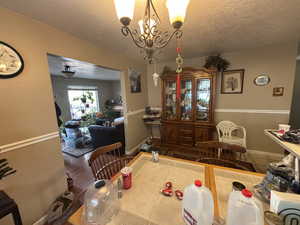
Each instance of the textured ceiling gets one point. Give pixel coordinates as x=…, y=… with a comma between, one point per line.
x=211, y=25
x=82, y=69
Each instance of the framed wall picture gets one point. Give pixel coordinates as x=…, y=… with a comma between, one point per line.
x=135, y=81
x=278, y=91
x=232, y=81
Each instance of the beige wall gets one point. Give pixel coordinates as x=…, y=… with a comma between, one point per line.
x=106, y=90
x=38, y=181
x=277, y=61
x=28, y=108
x=138, y=133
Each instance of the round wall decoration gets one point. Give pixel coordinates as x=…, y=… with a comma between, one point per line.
x=262, y=80
x=11, y=62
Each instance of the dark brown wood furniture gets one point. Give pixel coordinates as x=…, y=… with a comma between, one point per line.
x=224, y=150
x=9, y=206
x=212, y=152
x=224, y=154
x=107, y=161
x=188, y=121
x=223, y=162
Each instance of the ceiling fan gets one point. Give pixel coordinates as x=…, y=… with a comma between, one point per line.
x=67, y=72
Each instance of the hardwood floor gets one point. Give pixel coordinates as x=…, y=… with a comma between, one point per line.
x=79, y=170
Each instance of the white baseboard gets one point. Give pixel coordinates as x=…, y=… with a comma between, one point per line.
x=135, y=148
x=41, y=221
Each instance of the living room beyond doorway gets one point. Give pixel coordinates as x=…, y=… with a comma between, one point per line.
x=89, y=109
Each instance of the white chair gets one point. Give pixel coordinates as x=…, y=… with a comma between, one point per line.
x=225, y=129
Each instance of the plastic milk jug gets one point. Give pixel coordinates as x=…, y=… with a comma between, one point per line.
x=243, y=209
x=197, y=205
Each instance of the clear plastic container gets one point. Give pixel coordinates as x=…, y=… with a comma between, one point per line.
x=100, y=203
x=197, y=205
x=244, y=209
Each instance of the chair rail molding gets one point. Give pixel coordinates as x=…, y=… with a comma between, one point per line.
x=27, y=142
x=259, y=111
x=130, y=113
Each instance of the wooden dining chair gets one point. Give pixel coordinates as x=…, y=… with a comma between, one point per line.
x=223, y=150
x=223, y=162
x=112, y=168
x=107, y=161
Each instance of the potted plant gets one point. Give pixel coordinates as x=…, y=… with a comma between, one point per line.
x=216, y=62
x=84, y=97
x=87, y=100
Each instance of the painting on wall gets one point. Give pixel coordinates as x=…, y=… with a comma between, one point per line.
x=135, y=81
x=232, y=81
x=278, y=91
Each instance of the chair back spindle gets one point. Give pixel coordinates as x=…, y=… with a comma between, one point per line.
x=108, y=160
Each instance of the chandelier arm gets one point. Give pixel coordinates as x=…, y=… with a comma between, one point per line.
x=159, y=39
x=138, y=41
x=155, y=12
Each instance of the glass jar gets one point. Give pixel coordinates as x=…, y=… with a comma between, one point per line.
x=100, y=203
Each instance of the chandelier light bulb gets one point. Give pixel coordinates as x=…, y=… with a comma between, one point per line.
x=145, y=28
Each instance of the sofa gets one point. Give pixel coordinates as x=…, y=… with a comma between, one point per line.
x=102, y=136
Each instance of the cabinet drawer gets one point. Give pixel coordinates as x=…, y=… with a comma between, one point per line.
x=186, y=141
x=186, y=131
x=169, y=134
x=201, y=134
x=186, y=138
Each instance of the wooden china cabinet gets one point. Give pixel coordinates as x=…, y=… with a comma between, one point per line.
x=189, y=120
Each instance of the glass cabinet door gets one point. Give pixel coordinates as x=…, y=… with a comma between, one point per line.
x=186, y=112
x=170, y=100
x=203, y=97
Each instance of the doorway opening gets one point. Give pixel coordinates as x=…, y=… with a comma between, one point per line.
x=86, y=97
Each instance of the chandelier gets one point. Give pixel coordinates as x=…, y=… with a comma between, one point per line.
x=150, y=38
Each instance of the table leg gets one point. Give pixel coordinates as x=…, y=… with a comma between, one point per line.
x=297, y=172
x=151, y=131
x=17, y=216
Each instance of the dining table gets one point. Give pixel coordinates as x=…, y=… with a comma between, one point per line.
x=144, y=204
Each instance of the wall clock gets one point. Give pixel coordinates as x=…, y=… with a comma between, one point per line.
x=11, y=62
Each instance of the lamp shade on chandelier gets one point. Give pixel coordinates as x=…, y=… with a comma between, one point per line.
x=125, y=10
x=150, y=38
x=177, y=10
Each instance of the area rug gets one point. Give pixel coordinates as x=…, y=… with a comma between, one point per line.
x=77, y=152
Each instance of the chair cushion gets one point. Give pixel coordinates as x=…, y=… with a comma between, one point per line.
x=233, y=140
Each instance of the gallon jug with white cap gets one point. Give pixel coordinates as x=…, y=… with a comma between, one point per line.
x=244, y=209
x=197, y=205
